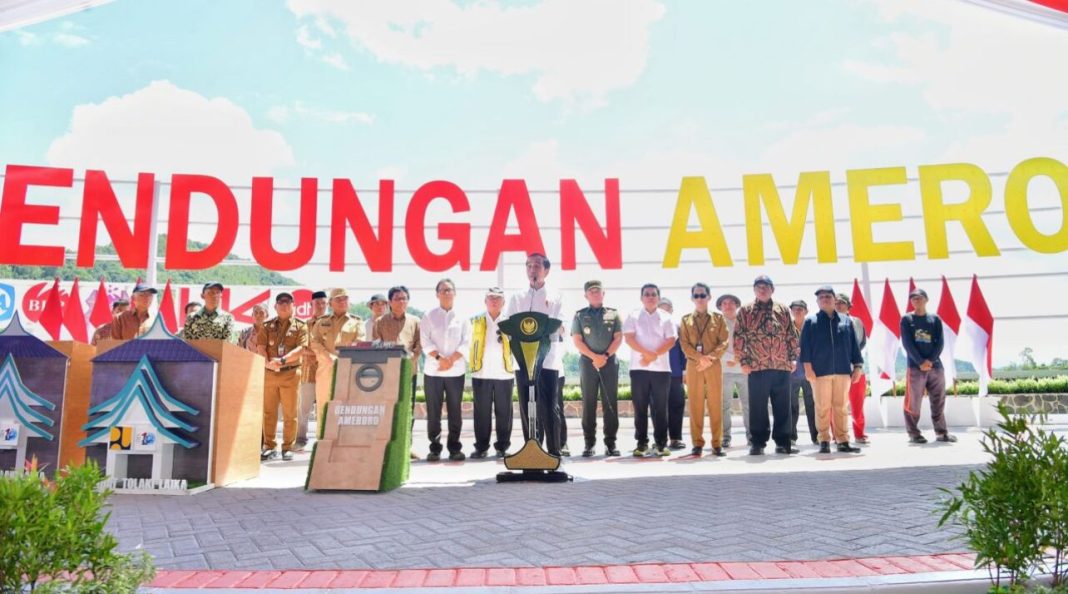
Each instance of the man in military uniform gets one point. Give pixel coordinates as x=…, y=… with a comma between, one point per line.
x=339, y=328
x=703, y=338
x=598, y=332
x=104, y=331
x=309, y=370
x=281, y=342
x=209, y=322
x=135, y=322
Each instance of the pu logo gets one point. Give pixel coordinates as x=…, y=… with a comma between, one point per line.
x=7, y=302
x=120, y=438
x=528, y=326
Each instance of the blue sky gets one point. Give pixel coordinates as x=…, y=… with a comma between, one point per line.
x=473, y=92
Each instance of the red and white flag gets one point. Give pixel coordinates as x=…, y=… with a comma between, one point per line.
x=947, y=311
x=860, y=309
x=74, y=315
x=101, y=313
x=167, y=309
x=885, y=344
x=908, y=297
x=978, y=334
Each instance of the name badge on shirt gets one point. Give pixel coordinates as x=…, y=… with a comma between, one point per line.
x=700, y=348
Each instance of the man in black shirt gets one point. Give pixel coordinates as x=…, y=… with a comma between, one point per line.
x=922, y=337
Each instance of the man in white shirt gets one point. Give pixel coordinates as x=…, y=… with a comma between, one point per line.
x=446, y=340
x=538, y=297
x=492, y=378
x=733, y=378
x=650, y=334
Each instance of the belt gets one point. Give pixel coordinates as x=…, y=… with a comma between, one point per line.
x=287, y=368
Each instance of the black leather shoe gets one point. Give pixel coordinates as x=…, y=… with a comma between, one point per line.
x=676, y=445
x=696, y=451
x=825, y=447
x=501, y=453
x=845, y=448
x=786, y=450
x=564, y=451
x=718, y=452
x=266, y=455
x=457, y=457
x=727, y=441
x=947, y=438
x=587, y=453
x=433, y=457
x=287, y=455
x=756, y=451
x=611, y=452
x=918, y=439
x=478, y=455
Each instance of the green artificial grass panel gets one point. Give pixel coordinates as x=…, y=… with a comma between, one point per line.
x=397, y=465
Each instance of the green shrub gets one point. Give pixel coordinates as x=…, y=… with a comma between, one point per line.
x=55, y=538
x=1016, y=509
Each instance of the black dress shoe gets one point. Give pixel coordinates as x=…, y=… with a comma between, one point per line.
x=696, y=451
x=845, y=448
x=786, y=450
x=727, y=441
x=457, y=456
x=587, y=453
x=947, y=438
x=825, y=447
x=718, y=452
x=501, y=453
x=611, y=452
x=756, y=451
x=478, y=454
x=918, y=439
x=433, y=457
x=676, y=445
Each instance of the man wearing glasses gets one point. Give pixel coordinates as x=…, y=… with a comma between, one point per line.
x=446, y=339
x=281, y=342
x=703, y=338
x=597, y=333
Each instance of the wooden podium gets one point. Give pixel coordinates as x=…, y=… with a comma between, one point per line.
x=365, y=434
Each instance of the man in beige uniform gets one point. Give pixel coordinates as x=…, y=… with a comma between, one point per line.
x=309, y=369
x=339, y=328
x=280, y=342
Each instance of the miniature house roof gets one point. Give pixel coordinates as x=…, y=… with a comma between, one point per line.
x=158, y=344
x=16, y=340
x=16, y=401
x=142, y=400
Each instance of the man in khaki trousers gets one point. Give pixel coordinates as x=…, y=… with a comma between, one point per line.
x=339, y=328
x=703, y=338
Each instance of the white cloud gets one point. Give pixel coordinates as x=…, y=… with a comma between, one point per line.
x=577, y=50
x=166, y=129
x=282, y=113
x=69, y=40
x=336, y=60
x=305, y=39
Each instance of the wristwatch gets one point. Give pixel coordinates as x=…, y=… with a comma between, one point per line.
x=283, y=359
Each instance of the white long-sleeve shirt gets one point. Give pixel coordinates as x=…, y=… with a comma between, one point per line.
x=550, y=303
x=445, y=332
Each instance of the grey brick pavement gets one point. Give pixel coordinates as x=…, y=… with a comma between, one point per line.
x=750, y=517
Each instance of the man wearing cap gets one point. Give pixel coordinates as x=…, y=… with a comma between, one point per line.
x=650, y=333
x=338, y=328
x=104, y=331
x=766, y=344
x=733, y=378
x=799, y=383
x=281, y=342
x=923, y=338
x=676, y=394
x=209, y=323
x=831, y=356
x=597, y=332
x=703, y=338
x=857, y=390
x=134, y=322
x=446, y=340
x=492, y=378
x=309, y=371
x=540, y=297
x=378, y=306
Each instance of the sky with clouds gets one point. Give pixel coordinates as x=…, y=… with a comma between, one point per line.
x=642, y=90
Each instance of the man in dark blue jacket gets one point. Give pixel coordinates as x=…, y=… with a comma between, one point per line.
x=832, y=360
x=923, y=339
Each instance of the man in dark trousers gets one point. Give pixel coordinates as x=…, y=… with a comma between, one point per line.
x=799, y=383
x=676, y=393
x=766, y=343
x=922, y=337
x=832, y=361
x=597, y=332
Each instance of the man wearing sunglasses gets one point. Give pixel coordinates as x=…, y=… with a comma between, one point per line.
x=703, y=338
